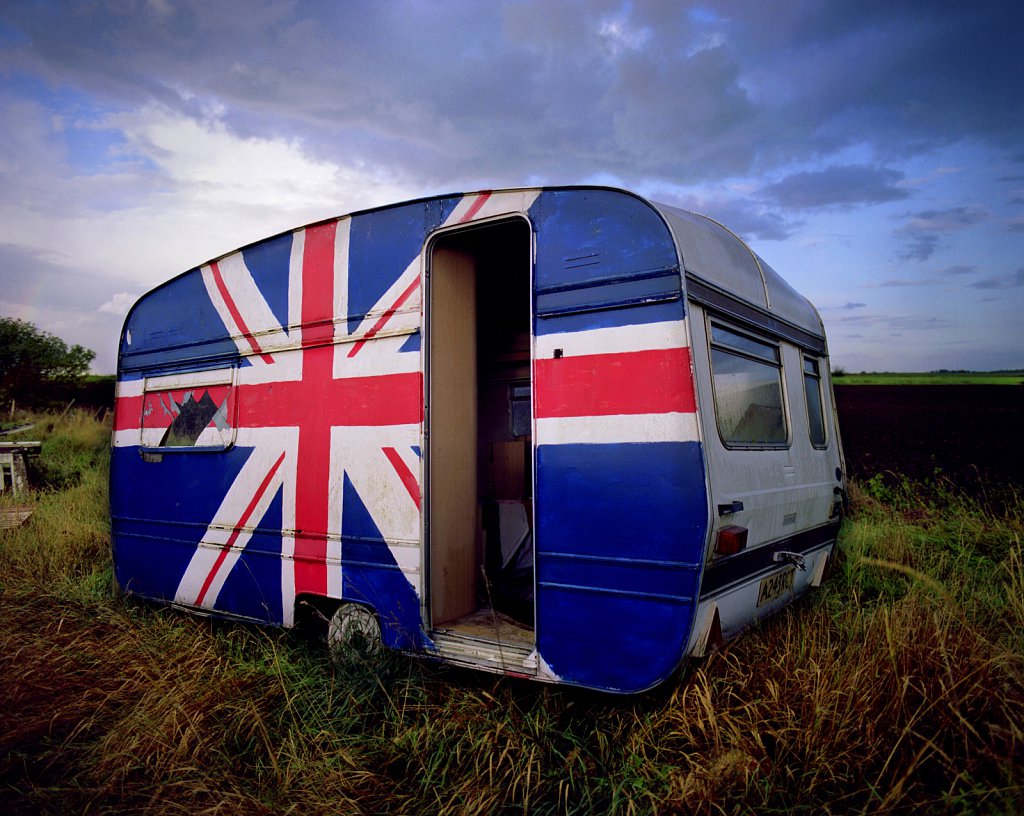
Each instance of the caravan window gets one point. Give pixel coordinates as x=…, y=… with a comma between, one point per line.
x=747, y=376
x=188, y=412
x=812, y=392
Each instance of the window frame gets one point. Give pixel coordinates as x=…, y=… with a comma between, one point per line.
x=191, y=381
x=519, y=399
x=713, y=321
x=816, y=376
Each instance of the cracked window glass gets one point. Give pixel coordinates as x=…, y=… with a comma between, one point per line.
x=187, y=417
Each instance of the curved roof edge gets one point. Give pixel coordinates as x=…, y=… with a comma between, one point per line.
x=708, y=250
x=717, y=256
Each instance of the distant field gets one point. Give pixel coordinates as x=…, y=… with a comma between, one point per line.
x=932, y=378
x=966, y=433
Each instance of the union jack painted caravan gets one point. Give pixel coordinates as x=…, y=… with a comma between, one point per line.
x=561, y=433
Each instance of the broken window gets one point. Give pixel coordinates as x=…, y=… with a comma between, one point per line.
x=198, y=416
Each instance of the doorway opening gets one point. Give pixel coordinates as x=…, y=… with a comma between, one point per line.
x=479, y=445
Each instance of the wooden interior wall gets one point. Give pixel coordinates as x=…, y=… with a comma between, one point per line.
x=454, y=558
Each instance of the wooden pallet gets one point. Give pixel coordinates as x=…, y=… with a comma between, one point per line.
x=14, y=516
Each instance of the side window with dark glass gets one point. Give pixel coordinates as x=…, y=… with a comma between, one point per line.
x=519, y=409
x=747, y=376
x=815, y=411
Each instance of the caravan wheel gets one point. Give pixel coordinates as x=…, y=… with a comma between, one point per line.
x=353, y=631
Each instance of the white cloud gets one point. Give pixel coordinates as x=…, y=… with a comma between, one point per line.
x=208, y=163
x=191, y=191
x=119, y=304
x=620, y=36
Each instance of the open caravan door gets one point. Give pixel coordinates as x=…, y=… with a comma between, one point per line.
x=621, y=502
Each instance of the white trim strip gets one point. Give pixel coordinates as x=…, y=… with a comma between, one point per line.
x=620, y=428
x=612, y=340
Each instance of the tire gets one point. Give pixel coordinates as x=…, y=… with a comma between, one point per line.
x=353, y=632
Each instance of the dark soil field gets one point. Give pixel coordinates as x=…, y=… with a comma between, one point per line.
x=972, y=434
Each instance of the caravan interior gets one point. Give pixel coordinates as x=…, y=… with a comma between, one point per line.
x=480, y=473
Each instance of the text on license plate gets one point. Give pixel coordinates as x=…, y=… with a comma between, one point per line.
x=774, y=586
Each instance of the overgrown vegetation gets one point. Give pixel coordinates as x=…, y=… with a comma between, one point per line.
x=38, y=367
x=899, y=687
x=842, y=377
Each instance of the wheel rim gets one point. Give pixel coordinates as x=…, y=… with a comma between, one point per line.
x=353, y=630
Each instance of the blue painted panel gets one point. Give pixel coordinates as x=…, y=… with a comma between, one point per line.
x=159, y=512
x=623, y=501
x=253, y=588
x=172, y=325
x=585, y=236
x=375, y=578
x=610, y=294
x=609, y=318
x=382, y=244
x=412, y=344
x=607, y=503
x=668, y=579
x=268, y=262
x=612, y=644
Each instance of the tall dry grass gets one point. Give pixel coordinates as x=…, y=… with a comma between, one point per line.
x=898, y=687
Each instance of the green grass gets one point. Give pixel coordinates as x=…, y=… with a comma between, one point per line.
x=930, y=378
x=898, y=687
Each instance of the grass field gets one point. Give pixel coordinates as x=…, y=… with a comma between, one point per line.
x=899, y=687
x=930, y=378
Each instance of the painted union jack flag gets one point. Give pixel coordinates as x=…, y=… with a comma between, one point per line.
x=270, y=418
x=320, y=401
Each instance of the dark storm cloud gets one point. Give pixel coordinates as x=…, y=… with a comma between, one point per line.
x=891, y=283
x=1011, y=281
x=923, y=230
x=895, y=323
x=905, y=75
x=843, y=186
x=751, y=221
x=747, y=218
x=846, y=307
x=559, y=89
x=918, y=246
x=957, y=271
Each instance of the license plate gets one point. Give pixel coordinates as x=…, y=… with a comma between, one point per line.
x=775, y=586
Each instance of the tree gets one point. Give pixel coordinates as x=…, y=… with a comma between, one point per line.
x=36, y=367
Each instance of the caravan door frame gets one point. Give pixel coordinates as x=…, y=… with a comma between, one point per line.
x=429, y=245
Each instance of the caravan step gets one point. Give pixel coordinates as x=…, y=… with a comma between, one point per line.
x=485, y=653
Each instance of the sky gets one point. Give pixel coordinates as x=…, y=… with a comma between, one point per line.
x=871, y=152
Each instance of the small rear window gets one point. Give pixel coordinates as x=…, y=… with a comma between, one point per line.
x=815, y=410
x=188, y=412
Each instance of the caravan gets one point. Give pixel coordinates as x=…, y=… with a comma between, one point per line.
x=561, y=433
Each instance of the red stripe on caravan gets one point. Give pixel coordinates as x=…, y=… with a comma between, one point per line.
x=387, y=399
x=313, y=484
x=318, y=285
x=236, y=315
x=407, y=476
x=476, y=206
x=127, y=413
x=249, y=510
x=384, y=318
x=655, y=381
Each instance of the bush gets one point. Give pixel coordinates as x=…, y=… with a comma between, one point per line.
x=37, y=368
